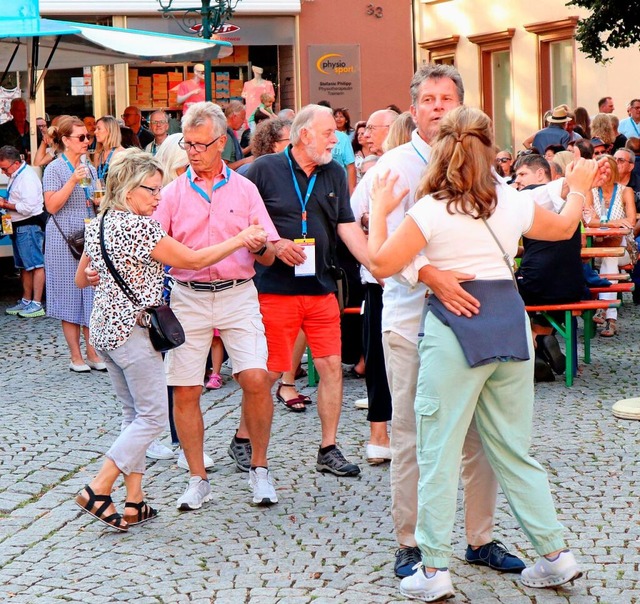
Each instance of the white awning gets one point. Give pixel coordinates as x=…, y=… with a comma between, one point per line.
x=82, y=44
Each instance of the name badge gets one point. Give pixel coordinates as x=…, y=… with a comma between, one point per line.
x=308, y=267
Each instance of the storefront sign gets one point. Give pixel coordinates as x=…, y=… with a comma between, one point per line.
x=334, y=76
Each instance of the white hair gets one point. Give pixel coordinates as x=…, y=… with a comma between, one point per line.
x=203, y=114
x=304, y=118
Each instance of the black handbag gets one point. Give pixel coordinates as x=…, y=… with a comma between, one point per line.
x=165, y=331
x=75, y=241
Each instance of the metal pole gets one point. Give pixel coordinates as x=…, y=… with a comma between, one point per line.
x=206, y=34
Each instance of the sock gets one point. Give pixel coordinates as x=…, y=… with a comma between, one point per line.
x=432, y=574
x=324, y=450
x=241, y=440
x=263, y=467
x=25, y=301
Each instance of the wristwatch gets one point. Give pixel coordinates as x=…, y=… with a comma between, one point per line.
x=261, y=251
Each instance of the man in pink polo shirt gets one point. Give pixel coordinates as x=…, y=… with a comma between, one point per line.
x=208, y=204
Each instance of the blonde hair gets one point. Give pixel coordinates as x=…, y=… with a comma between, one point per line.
x=460, y=169
x=601, y=128
x=64, y=127
x=128, y=170
x=114, y=136
x=399, y=132
x=172, y=157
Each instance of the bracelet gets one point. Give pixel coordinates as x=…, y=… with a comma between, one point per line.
x=584, y=197
x=261, y=251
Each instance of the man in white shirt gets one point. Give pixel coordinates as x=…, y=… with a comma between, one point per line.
x=24, y=205
x=159, y=123
x=435, y=90
x=631, y=125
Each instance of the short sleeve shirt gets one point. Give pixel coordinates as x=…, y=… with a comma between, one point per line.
x=129, y=240
x=188, y=86
x=328, y=207
x=343, y=151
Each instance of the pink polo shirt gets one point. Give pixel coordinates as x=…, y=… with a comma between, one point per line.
x=188, y=217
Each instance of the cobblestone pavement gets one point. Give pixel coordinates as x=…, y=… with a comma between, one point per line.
x=329, y=539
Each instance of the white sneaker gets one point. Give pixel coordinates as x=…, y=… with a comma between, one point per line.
x=419, y=587
x=197, y=493
x=264, y=493
x=156, y=450
x=361, y=403
x=545, y=573
x=182, y=461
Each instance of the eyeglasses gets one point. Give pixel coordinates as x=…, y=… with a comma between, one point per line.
x=370, y=128
x=621, y=160
x=503, y=160
x=197, y=147
x=282, y=140
x=157, y=122
x=80, y=137
x=155, y=191
x=7, y=170
x=598, y=153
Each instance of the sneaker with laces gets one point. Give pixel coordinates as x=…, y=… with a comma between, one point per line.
x=428, y=589
x=14, y=310
x=31, y=310
x=334, y=462
x=548, y=573
x=156, y=450
x=241, y=454
x=264, y=493
x=496, y=556
x=406, y=559
x=198, y=492
x=182, y=461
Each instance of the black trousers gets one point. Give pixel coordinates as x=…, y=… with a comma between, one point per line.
x=376, y=374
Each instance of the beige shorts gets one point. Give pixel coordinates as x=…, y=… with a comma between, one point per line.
x=235, y=312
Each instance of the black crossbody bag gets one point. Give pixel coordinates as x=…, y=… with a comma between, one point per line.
x=165, y=330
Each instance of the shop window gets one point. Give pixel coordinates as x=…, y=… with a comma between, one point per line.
x=496, y=82
x=556, y=62
x=441, y=51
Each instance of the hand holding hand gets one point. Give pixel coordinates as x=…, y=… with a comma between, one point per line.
x=92, y=275
x=253, y=237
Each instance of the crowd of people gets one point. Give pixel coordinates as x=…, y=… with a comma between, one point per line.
x=248, y=235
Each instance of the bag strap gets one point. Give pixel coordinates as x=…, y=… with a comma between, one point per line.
x=61, y=231
x=505, y=256
x=112, y=269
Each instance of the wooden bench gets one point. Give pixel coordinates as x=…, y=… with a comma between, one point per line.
x=567, y=329
x=602, y=252
x=615, y=288
x=616, y=276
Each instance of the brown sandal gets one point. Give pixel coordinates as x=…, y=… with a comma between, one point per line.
x=297, y=404
x=96, y=506
x=143, y=512
x=610, y=329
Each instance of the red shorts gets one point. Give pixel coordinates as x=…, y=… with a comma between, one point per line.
x=284, y=316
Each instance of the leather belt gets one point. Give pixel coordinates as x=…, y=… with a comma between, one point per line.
x=212, y=286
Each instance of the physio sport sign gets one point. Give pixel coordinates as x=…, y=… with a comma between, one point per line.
x=334, y=76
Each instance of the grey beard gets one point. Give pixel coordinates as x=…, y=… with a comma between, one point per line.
x=319, y=159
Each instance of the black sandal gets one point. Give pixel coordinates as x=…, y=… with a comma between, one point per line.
x=114, y=520
x=143, y=513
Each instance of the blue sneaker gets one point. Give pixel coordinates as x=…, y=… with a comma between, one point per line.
x=31, y=310
x=406, y=559
x=14, y=310
x=495, y=556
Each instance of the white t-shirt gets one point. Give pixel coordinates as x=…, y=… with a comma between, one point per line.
x=461, y=243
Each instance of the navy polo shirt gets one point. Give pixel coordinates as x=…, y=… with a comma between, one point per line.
x=328, y=206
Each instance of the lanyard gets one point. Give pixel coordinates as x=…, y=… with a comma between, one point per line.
x=14, y=177
x=200, y=191
x=635, y=127
x=305, y=201
x=87, y=194
x=613, y=198
x=103, y=168
x=422, y=157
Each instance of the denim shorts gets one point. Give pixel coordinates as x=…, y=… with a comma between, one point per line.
x=28, y=246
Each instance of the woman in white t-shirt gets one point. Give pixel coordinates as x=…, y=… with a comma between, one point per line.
x=483, y=364
x=138, y=248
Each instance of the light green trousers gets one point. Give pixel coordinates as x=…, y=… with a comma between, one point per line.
x=449, y=392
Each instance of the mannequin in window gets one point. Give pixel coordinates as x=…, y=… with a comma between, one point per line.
x=192, y=91
x=254, y=88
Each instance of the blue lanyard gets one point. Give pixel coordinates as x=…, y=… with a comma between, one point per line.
x=305, y=201
x=14, y=177
x=613, y=198
x=104, y=167
x=634, y=126
x=87, y=195
x=200, y=191
x=422, y=157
